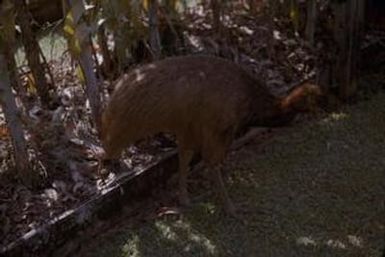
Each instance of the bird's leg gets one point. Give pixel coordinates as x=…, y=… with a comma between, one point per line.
x=250, y=135
x=185, y=157
x=222, y=191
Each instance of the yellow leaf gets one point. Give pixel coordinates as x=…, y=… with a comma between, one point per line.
x=69, y=18
x=80, y=74
x=31, y=84
x=145, y=5
x=69, y=30
x=294, y=14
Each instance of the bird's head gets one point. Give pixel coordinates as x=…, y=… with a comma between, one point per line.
x=304, y=98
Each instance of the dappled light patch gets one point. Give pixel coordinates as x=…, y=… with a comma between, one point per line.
x=335, y=117
x=131, y=247
x=191, y=238
x=349, y=242
x=306, y=241
x=166, y=231
x=355, y=240
x=335, y=244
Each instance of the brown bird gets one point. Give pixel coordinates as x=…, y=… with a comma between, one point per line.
x=204, y=101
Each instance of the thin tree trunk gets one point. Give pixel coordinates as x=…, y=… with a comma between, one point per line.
x=7, y=98
x=13, y=75
x=86, y=61
x=294, y=15
x=354, y=39
x=32, y=51
x=216, y=9
x=361, y=13
x=9, y=55
x=172, y=36
x=311, y=20
x=154, y=29
x=107, y=65
x=10, y=110
x=340, y=36
x=271, y=28
x=92, y=85
x=348, y=35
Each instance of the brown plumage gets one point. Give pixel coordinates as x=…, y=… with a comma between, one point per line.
x=204, y=101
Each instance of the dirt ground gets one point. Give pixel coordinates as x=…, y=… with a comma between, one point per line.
x=315, y=189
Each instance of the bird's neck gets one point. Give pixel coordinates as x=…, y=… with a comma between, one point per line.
x=279, y=116
x=283, y=109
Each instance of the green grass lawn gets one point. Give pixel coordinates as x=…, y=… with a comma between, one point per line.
x=315, y=189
